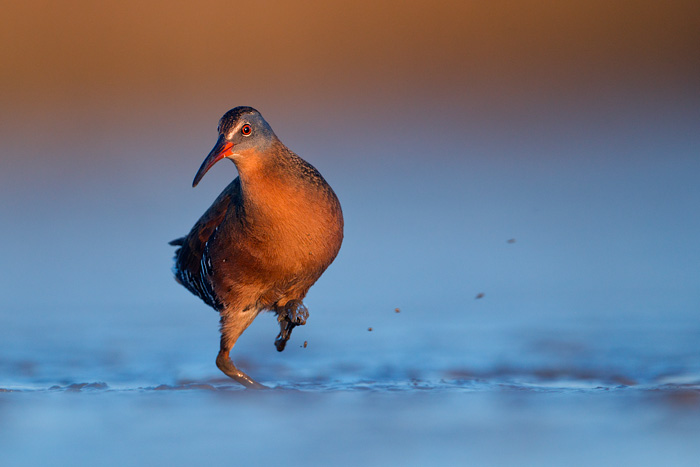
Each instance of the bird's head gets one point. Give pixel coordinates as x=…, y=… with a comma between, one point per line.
x=243, y=133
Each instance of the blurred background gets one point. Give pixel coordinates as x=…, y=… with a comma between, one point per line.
x=543, y=154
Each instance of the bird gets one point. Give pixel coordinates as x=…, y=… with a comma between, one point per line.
x=265, y=240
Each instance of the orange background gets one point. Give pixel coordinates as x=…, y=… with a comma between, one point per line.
x=501, y=53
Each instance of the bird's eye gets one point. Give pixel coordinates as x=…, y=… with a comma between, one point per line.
x=246, y=130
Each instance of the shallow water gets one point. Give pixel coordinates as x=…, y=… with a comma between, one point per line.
x=483, y=424
x=144, y=390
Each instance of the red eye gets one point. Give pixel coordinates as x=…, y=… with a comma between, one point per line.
x=246, y=130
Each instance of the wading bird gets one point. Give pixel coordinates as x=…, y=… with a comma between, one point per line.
x=266, y=239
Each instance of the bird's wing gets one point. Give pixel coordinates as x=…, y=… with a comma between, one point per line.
x=192, y=264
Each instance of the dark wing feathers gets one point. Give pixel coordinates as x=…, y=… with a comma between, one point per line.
x=192, y=265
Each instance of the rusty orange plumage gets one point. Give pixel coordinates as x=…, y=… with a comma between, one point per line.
x=265, y=240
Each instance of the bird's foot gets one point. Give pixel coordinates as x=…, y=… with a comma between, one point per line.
x=293, y=314
x=223, y=361
x=296, y=312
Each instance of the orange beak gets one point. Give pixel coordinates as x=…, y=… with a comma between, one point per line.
x=221, y=149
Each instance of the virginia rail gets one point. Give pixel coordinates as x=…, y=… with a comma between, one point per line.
x=266, y=239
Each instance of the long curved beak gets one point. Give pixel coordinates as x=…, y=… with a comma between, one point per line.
x=221, y=149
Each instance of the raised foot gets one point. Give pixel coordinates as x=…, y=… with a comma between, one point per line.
x=223, y=361
x=293, y=314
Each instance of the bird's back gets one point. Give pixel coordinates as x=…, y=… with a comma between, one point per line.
x=192, y=260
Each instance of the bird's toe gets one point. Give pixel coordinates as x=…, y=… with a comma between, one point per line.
x=297, y=313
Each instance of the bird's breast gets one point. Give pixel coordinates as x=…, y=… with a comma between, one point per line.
x=282, y=235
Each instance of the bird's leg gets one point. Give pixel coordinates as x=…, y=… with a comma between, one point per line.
x=292, y=314
x=232, y=326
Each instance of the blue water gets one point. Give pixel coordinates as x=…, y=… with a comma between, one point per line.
x=584, y=348
x=409, y=392
x=140, y=389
